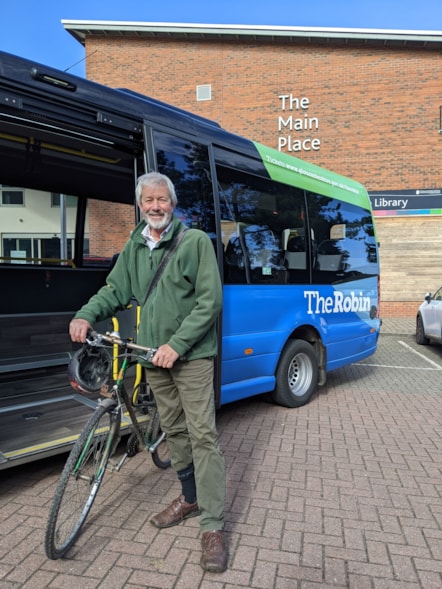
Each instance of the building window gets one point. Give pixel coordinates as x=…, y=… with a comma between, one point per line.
x=204, y=92
x=42, y=249
x=71, y=201
x=11, y=196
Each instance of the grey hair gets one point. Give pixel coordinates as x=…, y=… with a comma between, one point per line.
x=155, y=179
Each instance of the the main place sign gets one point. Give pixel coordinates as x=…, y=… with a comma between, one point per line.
x=295, y=123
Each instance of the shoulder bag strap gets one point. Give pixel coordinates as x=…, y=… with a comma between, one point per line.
x=164, y=262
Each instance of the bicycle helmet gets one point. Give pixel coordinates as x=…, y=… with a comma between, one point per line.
x=89, y=369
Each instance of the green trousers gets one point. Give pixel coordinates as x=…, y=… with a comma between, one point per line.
x=185, y=400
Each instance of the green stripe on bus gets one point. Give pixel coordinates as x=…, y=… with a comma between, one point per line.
x=295, y=172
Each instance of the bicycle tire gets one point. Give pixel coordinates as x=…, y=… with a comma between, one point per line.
x=81, y=479
x=133, y=444
x=161, y=455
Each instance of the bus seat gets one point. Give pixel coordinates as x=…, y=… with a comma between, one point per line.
x=234, y=261
x=329, y=258
x=295, y=254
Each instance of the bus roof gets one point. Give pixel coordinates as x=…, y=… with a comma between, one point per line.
x=121, y=112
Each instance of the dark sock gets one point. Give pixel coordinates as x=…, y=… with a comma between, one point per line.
x=188, y=485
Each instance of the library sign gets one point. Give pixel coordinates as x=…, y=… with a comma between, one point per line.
x=392, y=203
x=296, y=127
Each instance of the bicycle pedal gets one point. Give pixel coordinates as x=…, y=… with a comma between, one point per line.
x=113, y=466
x=121, y=462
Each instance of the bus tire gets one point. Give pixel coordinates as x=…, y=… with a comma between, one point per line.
x=296, y=375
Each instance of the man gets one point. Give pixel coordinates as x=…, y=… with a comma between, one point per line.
x=179, y=318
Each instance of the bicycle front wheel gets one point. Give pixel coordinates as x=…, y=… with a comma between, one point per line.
x=81, y=479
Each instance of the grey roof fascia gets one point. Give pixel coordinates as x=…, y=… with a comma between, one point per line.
x=82, y=28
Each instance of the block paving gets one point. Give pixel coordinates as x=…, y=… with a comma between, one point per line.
x=344, y=493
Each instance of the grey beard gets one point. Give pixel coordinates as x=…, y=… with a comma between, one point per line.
x=160, y=224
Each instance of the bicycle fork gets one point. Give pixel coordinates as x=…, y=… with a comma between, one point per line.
x=155, y=444
x=104, y=454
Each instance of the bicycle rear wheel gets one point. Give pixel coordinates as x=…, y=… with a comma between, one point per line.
x=81, y=479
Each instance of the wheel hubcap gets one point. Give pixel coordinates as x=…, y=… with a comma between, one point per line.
x=299, y=374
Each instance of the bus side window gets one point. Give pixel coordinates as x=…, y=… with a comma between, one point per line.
x=346, y=241
x=187, y=164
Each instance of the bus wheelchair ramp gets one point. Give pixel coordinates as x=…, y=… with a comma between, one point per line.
x=36, y=425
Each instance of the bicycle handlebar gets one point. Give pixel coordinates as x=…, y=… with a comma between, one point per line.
x=95, y=339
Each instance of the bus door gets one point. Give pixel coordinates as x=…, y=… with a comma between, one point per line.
x=66, y=207
x=187, y=162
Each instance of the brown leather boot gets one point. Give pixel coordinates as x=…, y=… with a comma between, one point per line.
x=214, y=552
x=177, y=511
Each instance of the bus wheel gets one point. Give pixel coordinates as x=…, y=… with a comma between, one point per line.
x=296, y=375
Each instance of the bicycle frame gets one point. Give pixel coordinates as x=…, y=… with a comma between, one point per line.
x=118, y=392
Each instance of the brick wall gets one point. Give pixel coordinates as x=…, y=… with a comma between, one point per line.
x=106, y=243
x=377, y=107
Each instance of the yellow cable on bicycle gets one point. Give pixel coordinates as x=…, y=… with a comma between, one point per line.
x=139, y=368
x=115, y=366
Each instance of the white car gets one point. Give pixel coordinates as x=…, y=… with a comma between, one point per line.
x=429, y=319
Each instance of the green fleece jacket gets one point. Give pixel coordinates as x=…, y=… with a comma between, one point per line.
x=183, y=307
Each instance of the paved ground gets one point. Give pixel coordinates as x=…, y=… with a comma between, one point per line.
x=343, y=493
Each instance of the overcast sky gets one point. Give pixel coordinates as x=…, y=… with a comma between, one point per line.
x=33, y=29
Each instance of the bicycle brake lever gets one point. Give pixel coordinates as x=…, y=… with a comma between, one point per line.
x=93, y=339
x=150, y=354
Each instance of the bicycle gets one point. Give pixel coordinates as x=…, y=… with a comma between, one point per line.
x=91, y=454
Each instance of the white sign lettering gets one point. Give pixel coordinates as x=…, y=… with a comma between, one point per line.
x=390, y=202
x=336, y=303
x=291, y=127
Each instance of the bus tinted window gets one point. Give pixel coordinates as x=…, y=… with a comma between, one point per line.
x=187, y=165
x=343, y=240
x=263, y=229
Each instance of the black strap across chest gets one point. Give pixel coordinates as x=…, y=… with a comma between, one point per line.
x=169, y=253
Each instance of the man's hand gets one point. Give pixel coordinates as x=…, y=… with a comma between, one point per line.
x=165, y=357
x=78, y=329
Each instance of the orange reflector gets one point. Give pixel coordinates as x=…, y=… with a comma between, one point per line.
x=248, y=351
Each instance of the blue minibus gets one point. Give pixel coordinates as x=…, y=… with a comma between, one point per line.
x=295, y=243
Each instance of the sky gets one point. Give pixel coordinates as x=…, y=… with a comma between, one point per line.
x=33, y=29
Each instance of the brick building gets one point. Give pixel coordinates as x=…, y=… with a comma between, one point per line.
x=364, y=103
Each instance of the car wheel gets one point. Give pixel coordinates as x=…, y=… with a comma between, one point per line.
x=421, y=338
